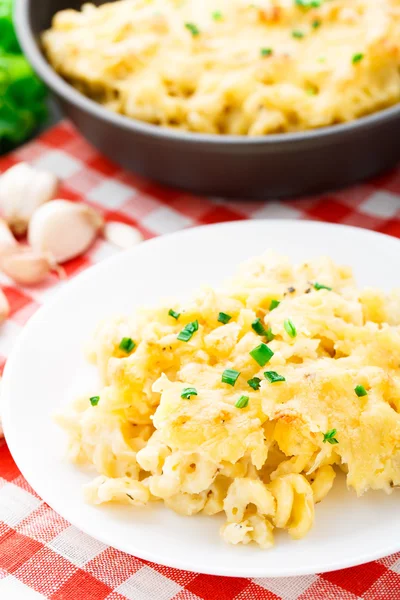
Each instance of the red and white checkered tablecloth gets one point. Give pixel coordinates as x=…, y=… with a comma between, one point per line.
x=43, y=556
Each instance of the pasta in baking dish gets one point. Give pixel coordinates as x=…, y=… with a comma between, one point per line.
x=246, y=400
x=232, y=66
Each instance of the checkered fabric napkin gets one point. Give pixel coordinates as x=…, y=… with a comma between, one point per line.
x=43, y=556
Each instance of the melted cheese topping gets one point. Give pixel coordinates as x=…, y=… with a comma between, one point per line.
x=231, y=66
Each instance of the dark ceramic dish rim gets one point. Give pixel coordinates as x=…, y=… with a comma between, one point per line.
x=67, y=91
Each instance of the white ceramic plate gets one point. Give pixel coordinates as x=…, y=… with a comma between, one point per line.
x=47, y=369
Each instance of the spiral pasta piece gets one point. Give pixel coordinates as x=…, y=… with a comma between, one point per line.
x=294, y=504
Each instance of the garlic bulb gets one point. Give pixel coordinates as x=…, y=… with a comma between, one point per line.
x=24, y=265
x=121, y=234
x=63, y=229
x=22, y=190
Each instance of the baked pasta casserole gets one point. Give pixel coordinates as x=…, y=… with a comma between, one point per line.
x=246, y=400
x=232, y=66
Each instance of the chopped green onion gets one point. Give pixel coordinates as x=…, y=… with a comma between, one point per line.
x=308, y=3
x=127, y=345
x=174, y=314
x=266, y=51
x=297, y=34
x=290, y=328
x=242, y=402
x=188, y=392
x=230, y=376
x=254, y=383
x=94, y=400
x=329, y=437
x=194, y=30
x=360, y=391
x=273, y=376
x=224, y=318
x=320, y=286
x=188, y=331
x=357, y=58
x=269, y=335
x=217, y=15
x=316, y=23
x=274, y=304
x=259, y=327
x=262, y=354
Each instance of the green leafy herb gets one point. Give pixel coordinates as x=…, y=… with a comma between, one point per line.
x=357, y=58
x=188, y=392
x=242, y=402
x=224, y=318
x=94, y=400
x=187, y=332
x=290, y=328
x=360, y=391
x=273, y=376
x=329, y=437
x=316, y=23
x=194, y=30
x=266, y=51
x=127, y=345
x=297, y=34
x=262, y=354
x=274, y=304
x=22, y=94
x=230, y=376
x=254, y=383
x=173, y=314
x=320, y=286
x=217, y=15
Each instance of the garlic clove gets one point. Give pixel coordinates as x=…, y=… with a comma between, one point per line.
x=6, y=237
x=63, y=229
x=24, y=265
x=121, y=234
x=4, y=307
x=22, y=190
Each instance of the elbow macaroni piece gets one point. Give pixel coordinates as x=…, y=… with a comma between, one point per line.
x=246, y=69
x=265, y=465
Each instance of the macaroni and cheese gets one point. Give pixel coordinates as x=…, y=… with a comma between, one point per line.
x=246, y=400
x=232, y=66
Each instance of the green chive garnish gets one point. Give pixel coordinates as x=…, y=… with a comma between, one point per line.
x=217, y=15
x=273, y=376
x=320, y=286
x=242, y=402
x=308, y=3
x=174, y=314
x=188, y=392
x=259, y=327
x=357, y=58
x=297, y=34
x=194, y=30
x=127, y=345
x=290, y=328
x=94, y=400
x=316, y=23
x=274, y=304
x=188, y=331
x=230, y=376
x=262, y=354
x=360, y=391
x=266, y=51
x=254, y=383
x=224, y=318
x=329, y=437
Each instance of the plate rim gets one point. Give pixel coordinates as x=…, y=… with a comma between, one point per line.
x=17, y=454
